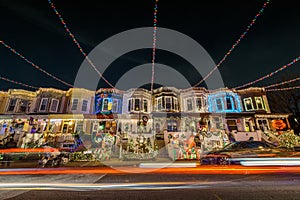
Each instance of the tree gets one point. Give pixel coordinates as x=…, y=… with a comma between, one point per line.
x=287, y=101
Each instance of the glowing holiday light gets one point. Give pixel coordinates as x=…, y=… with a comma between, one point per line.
x=34, y=65
x=77, y=43
x=18, y=83
x=283, y=89
x=154, y=43
x=270, y=74
x=283, y=83
x=236, y=43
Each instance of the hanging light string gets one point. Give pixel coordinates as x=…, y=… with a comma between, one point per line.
x=283, y=83
x=283, y=89
x=235, y=44
x=34, y=65
x=77, y=43
x=154, y=44
x=270, y=74
x=18, y=83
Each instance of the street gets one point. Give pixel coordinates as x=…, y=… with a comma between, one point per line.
x=158, y=184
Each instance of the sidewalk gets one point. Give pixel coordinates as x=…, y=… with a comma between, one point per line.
x=109, y=163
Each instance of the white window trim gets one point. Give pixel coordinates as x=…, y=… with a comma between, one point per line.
x=245, y=103
x=262, y=102
x=166, y=102
x=103, y=104
x=187, y=107
x=196, y=106
x=52, y=104
x=222, y=107
x=87, y=105
x=145, y=100
x=41, y=104
x=139, y=105
x=73, y=104
x=128, y=103
x=162, y=107
x=176, y=107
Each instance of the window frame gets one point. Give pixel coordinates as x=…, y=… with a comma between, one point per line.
x=56, y=108
x=41, y=104
x=72, y=107
x=86, y=106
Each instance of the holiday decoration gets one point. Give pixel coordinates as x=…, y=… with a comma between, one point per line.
x=154, y=43
x=18, y=83
x=77, y=43
x=236, y=43
x=34, y=65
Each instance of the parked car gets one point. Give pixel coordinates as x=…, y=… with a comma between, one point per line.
x=231, y=153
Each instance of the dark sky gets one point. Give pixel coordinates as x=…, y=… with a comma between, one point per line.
x=32, y=28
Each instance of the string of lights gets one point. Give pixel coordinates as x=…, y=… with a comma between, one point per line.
x=77, y=43
x=18, y=83
x=154, y=43
x=283, y=89
x=282, y=83
x=270, y=74
x=235, y=44
x=34, y=65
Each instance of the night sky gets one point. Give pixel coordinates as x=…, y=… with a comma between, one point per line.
x=33, y=29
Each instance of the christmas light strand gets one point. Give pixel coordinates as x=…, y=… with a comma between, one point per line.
x=154, y=44
x=283, y=89
x=77, y=43
x=270, y=74
x=34, y=65
x=236, y=43
x=282, y=83
x=18, y=83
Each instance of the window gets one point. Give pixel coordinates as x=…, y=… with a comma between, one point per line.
x=137, y=104
x=145, y=104
x=168, y=103
x=259, y=103
x=84, y=105
x=105, y=104
x=175, y=103
x=129, y=105
x=44, y=103
x=23, y=105
x=12, y=105
x=263, y=124
x=189, y=104
x=219, y=104
x=54, y=105
x=198, y=104
x=159, y=104
x=248, y=104
x=231, y=124
x=172, y=126
x=228, y=102
x=115, y=106
x=74, y=104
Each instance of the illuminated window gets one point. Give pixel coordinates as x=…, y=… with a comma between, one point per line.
x=145, y=105
x=248, y=104
x=259, y=103
x=54, y=105
x=74, y=104
x=84, y=105
x=137, y=104
x=43, y=104
x=105, y=104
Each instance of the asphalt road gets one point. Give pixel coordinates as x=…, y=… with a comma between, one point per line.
x=150, y=186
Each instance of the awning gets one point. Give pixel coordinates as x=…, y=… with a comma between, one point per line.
x=66, y=116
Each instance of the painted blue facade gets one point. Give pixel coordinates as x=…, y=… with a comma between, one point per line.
x=224, y=102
